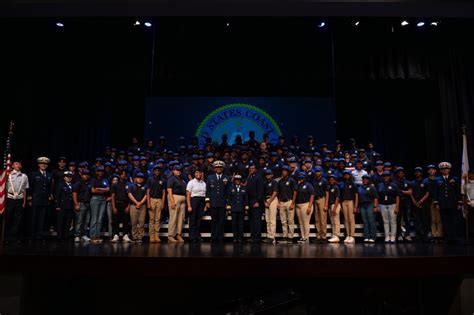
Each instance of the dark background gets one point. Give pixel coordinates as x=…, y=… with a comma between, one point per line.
x=72, y=91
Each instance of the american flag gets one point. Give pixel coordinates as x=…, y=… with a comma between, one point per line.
x=7, y=164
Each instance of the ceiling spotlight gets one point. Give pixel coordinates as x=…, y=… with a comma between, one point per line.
x=227, y=24
x=404, y=23
x=147, y=24
x=322, y=24
x=59, y=24
x=434, y=23
x=137, y=23
x=357, y=23
x=420, y=24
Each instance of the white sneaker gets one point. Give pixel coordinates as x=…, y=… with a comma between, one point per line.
x=77, y=239
x=392, y=240
x=85, y=238
x=408, y=238
x=126, y=239
x=334, y=239
x=387, y=239
x=366, y=240
x=400, y=238
x=371, y=240
x=115, y=239
x=351, y=240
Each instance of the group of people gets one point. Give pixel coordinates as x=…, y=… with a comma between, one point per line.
x=251, y=178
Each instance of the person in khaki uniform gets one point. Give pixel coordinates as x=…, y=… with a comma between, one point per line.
x=156, y=188
x=286, y=194
x=176, y=188
x=138, y=200
x=271, y=202
x=333, y=205
x=349, y=200
x=304, y=206
x=320, y=197
x=436, y=225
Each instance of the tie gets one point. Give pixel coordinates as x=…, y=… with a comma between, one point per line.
x=218, y=177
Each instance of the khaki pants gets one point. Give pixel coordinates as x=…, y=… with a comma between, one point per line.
x=270, y=217
x=349, y=220
x=436, y=225
x=137, y=218
x=321, y=218
x=303, y=218
x=287, y=218
x=155, y=217
x=175, y=225
x=335, y=220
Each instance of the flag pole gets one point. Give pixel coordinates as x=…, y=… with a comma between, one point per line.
x=6, y=165
x=464, y=179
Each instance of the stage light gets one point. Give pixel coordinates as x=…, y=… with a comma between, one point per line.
x=147, y=24
x=227, y=24
x=434, y=23
x=420, y=24
x=137, y=23
x=322, y=24
x=59, y=24
x=405, y=23
x=357, y=23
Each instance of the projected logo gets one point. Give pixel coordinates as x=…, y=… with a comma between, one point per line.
x=237, y=120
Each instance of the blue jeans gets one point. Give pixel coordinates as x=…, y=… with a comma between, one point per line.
x=81, y=219
x=98, y=204
x=368, y=217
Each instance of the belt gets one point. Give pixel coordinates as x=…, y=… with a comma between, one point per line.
x=284, y=200
x=12, y=196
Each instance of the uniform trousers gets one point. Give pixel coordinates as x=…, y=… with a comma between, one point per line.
x=137, y=218
x=287, y=218
x=349, y=219
x=321, y=218
x=270, y=218
x=155, y=217
x=335, y=217
x=175, y=225
x=304, y=218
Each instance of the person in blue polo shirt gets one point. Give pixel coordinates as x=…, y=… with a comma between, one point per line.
x=368, y=206
x=349, y=203
x=304, y=200
x=389, y=200
x=238, y=205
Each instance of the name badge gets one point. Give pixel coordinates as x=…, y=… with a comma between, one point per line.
x=368, y=188
x=332, y=190
x=320, y=184
x=350, y=186
x=304, y=187
x=386, y=198
x=389, y=187
x=287, y=183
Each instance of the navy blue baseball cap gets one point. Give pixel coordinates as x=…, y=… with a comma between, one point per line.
x=302, y=175
x=100, y=169
x=365, y=176
x=108, y=164
x=378, y=163
x=318, y=169
x=326, y=159
x=122, y=162
x=140, y=175
x=98, y=159
x=346, y=172
x=209, y=154
x=143, y=158
x=85, y=172
x=177, y=168
x=399, y=169
x=136, y=158
x=195, y=157
x=387, y=164
x=431, y=166
x=268, y=172
x=286, y=168
x=386, y=173
x=418, y=169
x=157, y=167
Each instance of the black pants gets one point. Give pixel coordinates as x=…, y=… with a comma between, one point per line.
x=448, y=219
x=63, y=223
x=403, y=213
x=256, y=224
x=422, y=218
x=13, y=215
x=121, y=219
x=218, y=215
x=238, y=226
x=38, y=214
x=195, y=217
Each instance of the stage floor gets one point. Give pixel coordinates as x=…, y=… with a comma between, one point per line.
x=237, y=260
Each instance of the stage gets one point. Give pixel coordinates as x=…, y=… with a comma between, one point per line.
x=220, y=278
x=241, y=260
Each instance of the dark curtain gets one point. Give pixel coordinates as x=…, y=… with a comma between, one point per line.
x=423, y=80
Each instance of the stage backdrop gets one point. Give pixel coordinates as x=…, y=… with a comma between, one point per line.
x=204, y=117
